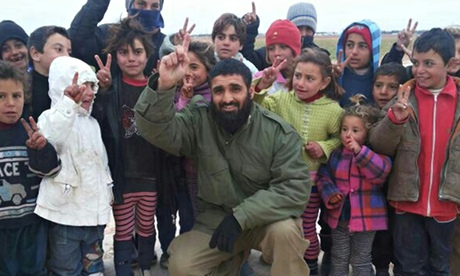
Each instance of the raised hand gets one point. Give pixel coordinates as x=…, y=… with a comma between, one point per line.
x=36, y=140
x=103, y=75
x=351, y=143
x=75, y=91
x=173, y=66
x=180, y=35
x=314, y=150
x=405, y=36
x=186, y=91
x=270, y=74
x=338, y=67
x=250, y=17
x=402, y=104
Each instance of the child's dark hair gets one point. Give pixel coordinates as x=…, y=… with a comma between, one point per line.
x=10, y=72
x=368, y=113
x=204, y=51
x=227, y=19
x=437, y=40
x=319, y=57
x=125, y=33
x=392, y=69
x=38, y=38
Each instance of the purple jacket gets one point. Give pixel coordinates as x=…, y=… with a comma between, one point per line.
x=360, y=178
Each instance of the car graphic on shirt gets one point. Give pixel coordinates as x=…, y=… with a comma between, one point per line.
x=11, y=192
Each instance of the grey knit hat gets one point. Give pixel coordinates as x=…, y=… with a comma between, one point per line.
x=128, y=3
x=302, y=14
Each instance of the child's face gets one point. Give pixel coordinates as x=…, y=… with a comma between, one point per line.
x=361, y=54
x=308, y=80
x=281, y=51
x=88, y=95
x=57, y=45
x=132, y=62
x=305, y=31
x=385, y=88
x=227, y=43
x=457, y=48
x=353, y=126
x=196, y=71
x=429, y=69
x=15, y=52
x=11, y=101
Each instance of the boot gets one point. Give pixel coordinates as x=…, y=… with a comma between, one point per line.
x=146, y=250
x=122, y=257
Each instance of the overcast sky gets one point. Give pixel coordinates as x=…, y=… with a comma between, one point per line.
x=333, y=15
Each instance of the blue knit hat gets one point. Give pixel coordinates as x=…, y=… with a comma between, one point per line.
x=303, y=14
x=128, y=4
x=10, y=30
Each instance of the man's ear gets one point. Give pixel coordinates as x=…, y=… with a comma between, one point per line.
x=251, y=92
x=453, y=66
x=34, y=54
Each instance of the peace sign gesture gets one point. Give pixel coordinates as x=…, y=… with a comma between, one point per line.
x=250, y=17
x=173, y=66
x=186, y=91
x=103, y=75
x=36, y=140
x=74, y=91
x=270, y=74
x=405, y=36
x=337, y=68
x=400, y=107
x=180, y=35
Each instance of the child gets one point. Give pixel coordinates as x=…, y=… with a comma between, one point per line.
x=388, y=77
x=77, y=200
x=23, y=235
x=423, y=185
x=228, y=36
x=387, y=80
x=350, y=186
x=135, y=163
x=358, y=49
x=311, y=108
x=13, y=41
x=454, y=30
x=283, y=45
x=45, y=44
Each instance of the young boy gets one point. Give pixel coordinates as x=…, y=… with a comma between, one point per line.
x=423, y=184
x=23, y=235
x=228, y=36
x=358, y=49
x=45, y=44
x=387, y=80
x=77, y=200
x=13, y=41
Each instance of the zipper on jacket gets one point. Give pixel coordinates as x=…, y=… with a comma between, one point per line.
x=433, y=143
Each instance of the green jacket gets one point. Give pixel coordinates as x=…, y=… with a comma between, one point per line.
x=258, y=173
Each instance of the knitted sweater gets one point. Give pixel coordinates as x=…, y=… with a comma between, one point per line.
x=317, y=121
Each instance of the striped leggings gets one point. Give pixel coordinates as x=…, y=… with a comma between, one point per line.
x=351, y=248
x=136, y=212
x=309, y=218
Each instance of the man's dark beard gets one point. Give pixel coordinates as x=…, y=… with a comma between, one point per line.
x=232, y=121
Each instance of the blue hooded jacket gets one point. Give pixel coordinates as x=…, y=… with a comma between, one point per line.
x=350, y=81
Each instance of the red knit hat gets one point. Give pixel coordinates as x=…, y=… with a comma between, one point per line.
x=284, y=32
x=361, y=30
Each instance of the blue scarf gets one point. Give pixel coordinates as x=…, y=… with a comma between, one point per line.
x=149, y=19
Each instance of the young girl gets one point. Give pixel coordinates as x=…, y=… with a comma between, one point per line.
x=311, y=108
x=202, y=59
x=133, y=161
x=76, y=200
x=283, y=45
x=350, y=186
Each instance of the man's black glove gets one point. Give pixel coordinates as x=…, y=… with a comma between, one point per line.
x=225, y=235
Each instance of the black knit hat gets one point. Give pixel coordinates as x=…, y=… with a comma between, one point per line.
x=9, y=30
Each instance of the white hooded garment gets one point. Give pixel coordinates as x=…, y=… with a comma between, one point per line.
x=80, y=195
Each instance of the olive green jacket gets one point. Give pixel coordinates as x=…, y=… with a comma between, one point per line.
x=258, y=173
